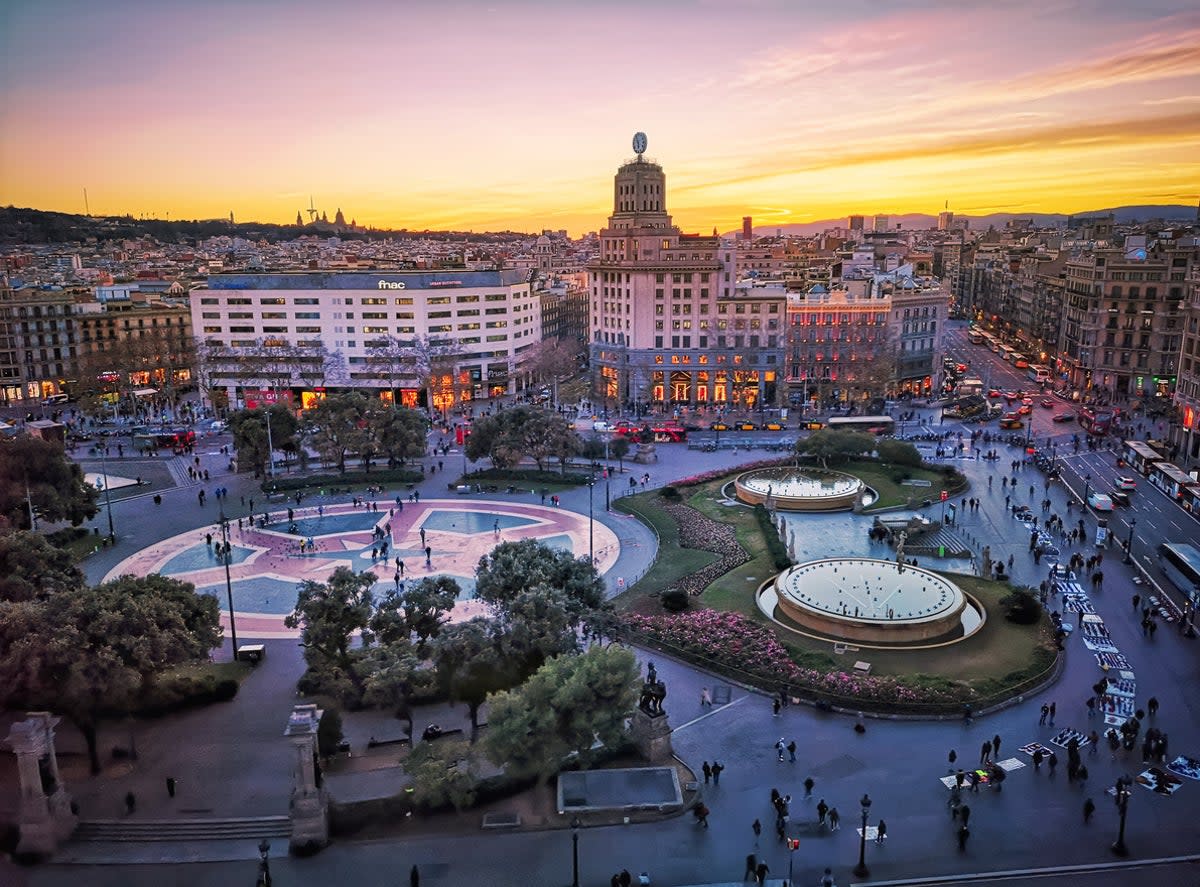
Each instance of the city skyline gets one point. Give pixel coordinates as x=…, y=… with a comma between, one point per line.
x=518, y=118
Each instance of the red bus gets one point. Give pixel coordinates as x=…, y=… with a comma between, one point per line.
x=1095, y=421
x=660, y=433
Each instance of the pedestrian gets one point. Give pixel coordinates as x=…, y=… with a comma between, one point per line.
x=791, y=747
x=760, y=873
x=705, y=697
x=1045, y=714
x=1038, y=756
x=984, y=751
x=626, y=878
x=1089, y=807
x=170, y=786
x=756, y=827
x=1152, y=706
x=1052, y=762
x=808, y=786
x=951, y=758
x=751, y=866
x=964, y=813
x=414, y=877
x=880, y=832
x=775, y=706
x=779, y=747
x=996, y=745
x=963, y=834
x=701, y=813
x=1052, y=709
x=716, y=770
x=1091, y=706
x=822, y=811
x=130, y=803
x=707, y=771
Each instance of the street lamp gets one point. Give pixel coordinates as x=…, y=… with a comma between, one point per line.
x=227, y=556
x=591, y=522
x=575, y=824
x=861, y=870
x=112, y=535
x=1087, y=488
x=1129, y=542
x=1123, y=794
x=270, y=446
x=264, y=864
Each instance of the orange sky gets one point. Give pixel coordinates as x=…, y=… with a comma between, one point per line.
x=516, y=115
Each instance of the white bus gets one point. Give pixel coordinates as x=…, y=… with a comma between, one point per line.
x=1038, y=374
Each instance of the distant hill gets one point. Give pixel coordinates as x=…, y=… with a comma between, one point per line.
x=1125, y=215
x=24, y=225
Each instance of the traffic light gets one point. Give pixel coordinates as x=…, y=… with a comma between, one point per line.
x=793, y=843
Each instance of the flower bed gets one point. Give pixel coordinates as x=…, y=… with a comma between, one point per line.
x=733, y=643
x=695, y=480
x=704, y=534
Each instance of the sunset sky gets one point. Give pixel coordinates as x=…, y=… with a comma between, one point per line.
x=493, y=115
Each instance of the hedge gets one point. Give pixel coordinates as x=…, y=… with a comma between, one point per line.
x=349, y=478
x=529, y=476
x=775, y=546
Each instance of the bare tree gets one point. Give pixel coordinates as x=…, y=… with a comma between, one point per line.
x=552, y=361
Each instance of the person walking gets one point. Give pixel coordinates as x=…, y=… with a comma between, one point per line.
x=170, y=786
x=835, y=819
x=996, y=745
x=701, y=813
x=951, y=758
x=705, y=697
x=965, y=813
x=706, y=769
x=760, y=873
x=1045, y=714
x=130, y=803
x=984, y=751
x=1152, y=705
x=880, y=832
x=780, y=747
x=751, y=866
x=963, y=834
x=716, y=772
x=1053, y=706
x=414, y=877
x=756, y=827
x=808, y=786
x=791, y=747
x=775, y=706
x=822, y=810
x=1089, y=807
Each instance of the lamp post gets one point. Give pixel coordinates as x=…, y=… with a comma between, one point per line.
x=575, y=824
x=270, y=445
x=1087, y=488
x=591, y=522
x=861, y=870
x=1129, y=542
x=112, y=535
x=264, y=864
x=227, y=557
x=1119, y=847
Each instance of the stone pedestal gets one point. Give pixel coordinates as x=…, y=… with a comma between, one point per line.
x=44, y=817
x=645, y=454
x=651, y=734
x=309, y=807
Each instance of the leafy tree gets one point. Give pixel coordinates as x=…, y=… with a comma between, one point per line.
x=618, y=448
x=513, y=567
x=833, y=445
x=94, y=652
x=421, y=610
x=392, y=676
x=340, y=427
x=568, y=706
x=249, y=429
x=328, y=614
x=399, y=433
x=30, y=466
x=899, y=452
x=31, y=568
x=520, y=432
x=329, y=732
x=443, y=773
x=472, y=663
x=552, y=360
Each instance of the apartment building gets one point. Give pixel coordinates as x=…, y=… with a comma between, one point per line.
x=1185, y=432
x=447, y=336
x=38, y=338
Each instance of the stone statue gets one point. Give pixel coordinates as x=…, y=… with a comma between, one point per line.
x=900, y=541
x=651, y=673
x=986, y=559
x=653, y=695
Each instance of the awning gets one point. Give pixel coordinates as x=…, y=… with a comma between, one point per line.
x=144, y=392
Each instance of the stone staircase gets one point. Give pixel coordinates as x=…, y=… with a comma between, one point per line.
x=928, y=544
x=178, y=466
x=141, y=830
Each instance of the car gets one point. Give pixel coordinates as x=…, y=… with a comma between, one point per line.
x=1025, y=409
x=1100, y=502
x=995, y=392
x=1047, y=403
x=718, y=426
x=1126, y=483
x=1119, y=497
x=1010, y=396
x=1011, y=424
x=746, y=426
x=1028, y=401
x=603, y=426
x=1063, y=417
x=773, y=426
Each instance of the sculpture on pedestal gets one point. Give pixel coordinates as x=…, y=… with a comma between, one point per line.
x=309, y=808
x=45, y=817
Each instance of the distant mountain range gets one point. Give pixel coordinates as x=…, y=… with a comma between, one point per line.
x=1125, y=215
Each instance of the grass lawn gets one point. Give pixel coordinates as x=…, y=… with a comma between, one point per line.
x=892, y=493
x=673, y=561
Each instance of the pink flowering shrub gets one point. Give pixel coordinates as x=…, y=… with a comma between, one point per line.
x=731, y=641
x=695, y=480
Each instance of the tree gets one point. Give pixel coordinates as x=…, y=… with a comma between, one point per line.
x=553, y=361
x=618, y=447
x=514, y=434
x=38, y=469
x=899, y=452
x=250, y=438
x=568, y=706
x=340, y=427
x=32, y=569
x=515, y=567
x=94, y=652
x=443, y=773
x=392, y=674
x=472, y=664
x=421, y=610
x=328, y=614
x=830, y=444
x=399, y=433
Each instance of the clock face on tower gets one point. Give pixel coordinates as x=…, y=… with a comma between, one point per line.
x=639, y=143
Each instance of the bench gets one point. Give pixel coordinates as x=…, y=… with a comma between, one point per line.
x=862, y=668
x=376, y=743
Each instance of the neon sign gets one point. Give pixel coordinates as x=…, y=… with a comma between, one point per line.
x=391, y=285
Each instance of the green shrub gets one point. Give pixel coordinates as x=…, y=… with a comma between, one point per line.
x=64, y=537
x=775, y=546
x=899, y=452
x=670, y=493
x=528, y=476
x=674, y=600
x=329, y=732
x=1021, y=607
x=381, y=477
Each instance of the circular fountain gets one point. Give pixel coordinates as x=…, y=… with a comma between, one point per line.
x=871, y=601
x=790, y=488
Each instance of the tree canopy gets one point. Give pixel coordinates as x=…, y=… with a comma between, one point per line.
x=514, y=434
x=834, y=445
x=328, y=614
x=514, y=567
x=568, y=706
x=54, y=484
x=94, y=652
x=249, y=429
x=421, y=609
x=31, y=568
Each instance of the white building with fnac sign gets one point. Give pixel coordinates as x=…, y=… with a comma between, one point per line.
x=295, y=336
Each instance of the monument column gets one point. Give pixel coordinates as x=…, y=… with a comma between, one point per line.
x=309, y=808
x=44, y=817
